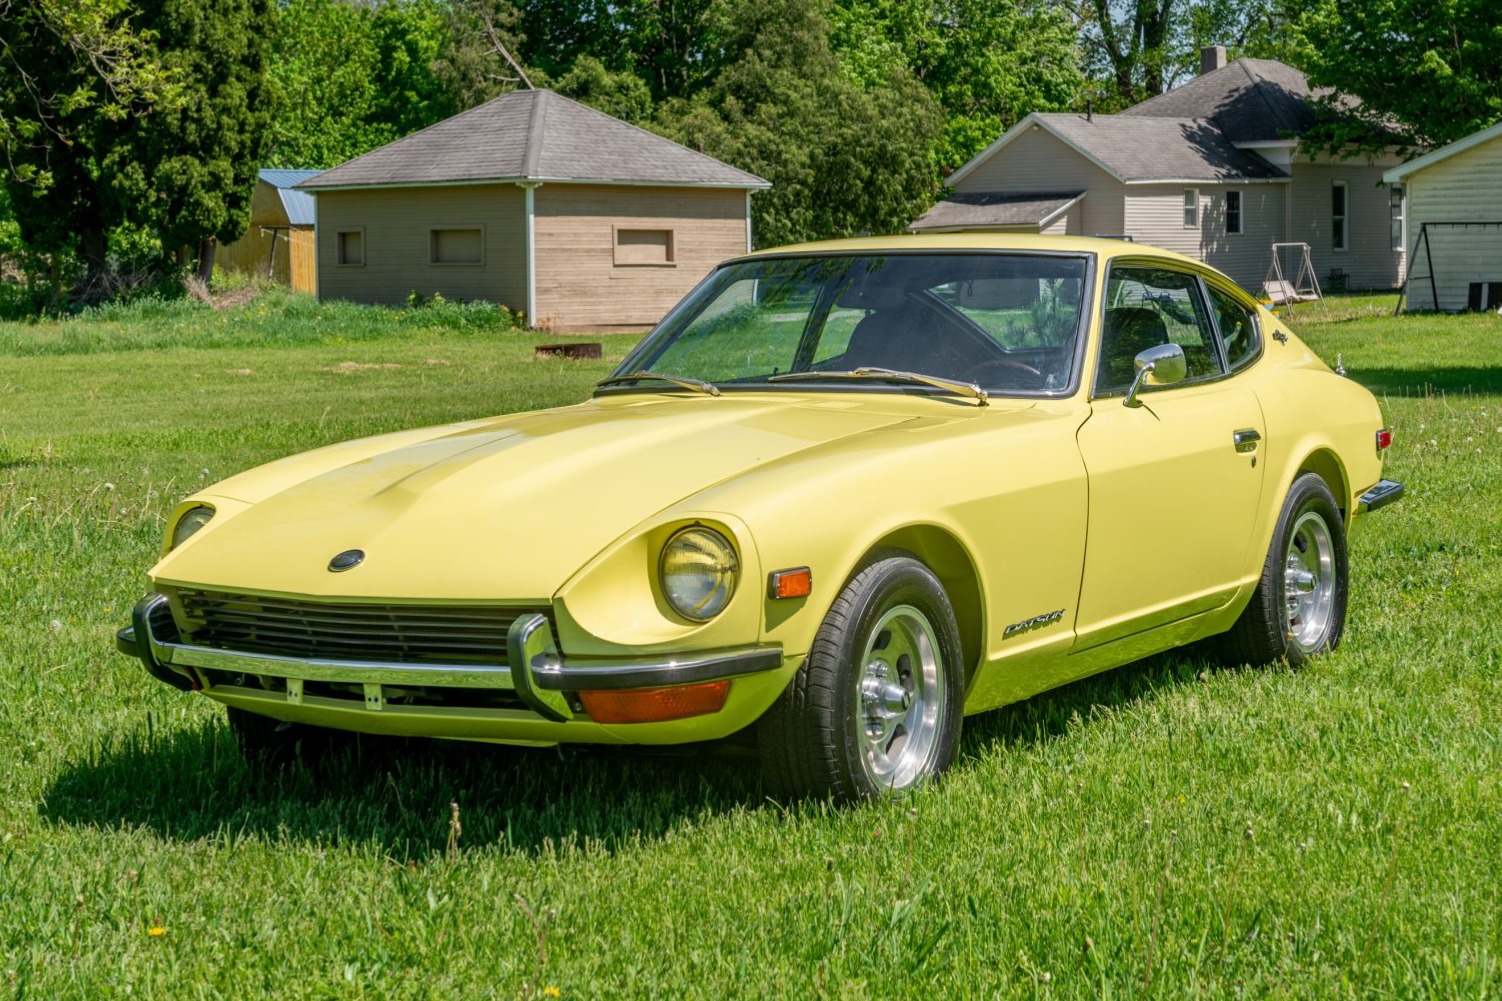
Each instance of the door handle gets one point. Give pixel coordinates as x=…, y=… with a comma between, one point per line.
x=1246, y=440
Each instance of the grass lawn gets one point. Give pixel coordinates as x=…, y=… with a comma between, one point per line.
x=1170, y=829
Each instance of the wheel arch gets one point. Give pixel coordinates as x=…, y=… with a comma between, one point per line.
x=1327, y=466
x=947, y=557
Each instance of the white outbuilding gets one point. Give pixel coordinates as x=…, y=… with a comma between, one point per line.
x=1454, y=224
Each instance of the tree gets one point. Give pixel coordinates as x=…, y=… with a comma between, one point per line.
x=188, y=171
x=1432, y=73
x=987, y=62
x=843, y=159
x=68, y=69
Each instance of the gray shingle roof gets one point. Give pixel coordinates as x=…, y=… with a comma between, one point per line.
x=297, y=204
x=1250, y=100
x=1139, y=148
x=534, y=135
x=977, y=211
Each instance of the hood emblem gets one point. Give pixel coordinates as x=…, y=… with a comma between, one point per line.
x=347, y=560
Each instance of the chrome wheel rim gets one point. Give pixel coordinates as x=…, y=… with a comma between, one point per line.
x=1309, y=583
x=899, y=692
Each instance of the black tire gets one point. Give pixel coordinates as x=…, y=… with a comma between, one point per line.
x=263, y=740
x=1289, y=617
x=850, y=728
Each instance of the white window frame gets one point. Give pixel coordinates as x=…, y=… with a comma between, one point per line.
x=433, y=246
x=1240, y=208
x=1398, y=233
x=1191, y=208
x=339, y=236
x=1340, y=225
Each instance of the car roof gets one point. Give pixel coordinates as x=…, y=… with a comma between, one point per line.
x=940, y=242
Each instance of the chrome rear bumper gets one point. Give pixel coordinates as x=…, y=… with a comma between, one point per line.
x=532, y=666
x=1381, y=495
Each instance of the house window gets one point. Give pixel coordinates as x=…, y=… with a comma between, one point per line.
x=643, y=247
x=456, y=246
x=1338, y=215
x=1191, y=208
x=349, y=247
x=1395, y=212
x=1233, y=212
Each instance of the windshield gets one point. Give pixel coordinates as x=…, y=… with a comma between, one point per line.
x=1008, y=323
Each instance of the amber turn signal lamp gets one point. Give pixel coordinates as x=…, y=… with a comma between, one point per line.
x=655, y=705
x=795, y=583
x=1384, y=439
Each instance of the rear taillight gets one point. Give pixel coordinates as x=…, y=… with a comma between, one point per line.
x=1384, y=438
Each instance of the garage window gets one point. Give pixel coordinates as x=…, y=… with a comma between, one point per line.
x=1191, y=208
x=1338, y=215
x=456, y=246
x=1395, y=211
x=644, y=247
x=349, y=247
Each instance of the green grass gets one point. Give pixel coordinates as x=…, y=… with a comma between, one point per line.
x=1170, y=829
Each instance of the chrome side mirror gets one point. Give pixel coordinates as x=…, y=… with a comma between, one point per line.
x=1161, y=365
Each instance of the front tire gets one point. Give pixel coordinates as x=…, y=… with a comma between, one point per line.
x=1299, y=608
x=875, y=709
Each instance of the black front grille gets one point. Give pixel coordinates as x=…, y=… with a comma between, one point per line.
x=400, y=634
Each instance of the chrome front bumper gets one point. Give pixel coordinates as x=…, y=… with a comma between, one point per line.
x=533, y=667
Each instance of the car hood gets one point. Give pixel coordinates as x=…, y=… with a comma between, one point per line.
x=502, y=509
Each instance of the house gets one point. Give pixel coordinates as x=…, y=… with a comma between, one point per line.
x=577, y=219
x=1455, y=223
x=1213, y=169
x=279, y=243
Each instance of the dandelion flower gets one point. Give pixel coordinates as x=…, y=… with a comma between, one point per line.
x=156, y=931
x=551, y=992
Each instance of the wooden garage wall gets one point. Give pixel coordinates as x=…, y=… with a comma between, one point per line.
x=253, y=254
x=580, y=285
x=397, y=225
x=1463, y=187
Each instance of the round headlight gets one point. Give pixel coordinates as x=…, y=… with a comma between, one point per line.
x=698, y=571
x=192, y=520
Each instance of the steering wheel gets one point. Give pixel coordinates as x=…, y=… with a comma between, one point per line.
x=1021, y=366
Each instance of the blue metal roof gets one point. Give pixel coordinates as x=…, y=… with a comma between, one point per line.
x=297, y=204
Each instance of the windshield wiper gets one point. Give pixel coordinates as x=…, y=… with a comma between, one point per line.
x=969, y=389
x=698, y=385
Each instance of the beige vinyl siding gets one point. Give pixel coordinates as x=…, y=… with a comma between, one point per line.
x=398, y=225
x=580, y=284
x=1467, y=186
x=1155, y=215
x=1036, y=161
x=1071, y=223
x=1369, y=262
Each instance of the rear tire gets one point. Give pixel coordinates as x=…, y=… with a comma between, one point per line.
x=1299, y=608
x=875, y=710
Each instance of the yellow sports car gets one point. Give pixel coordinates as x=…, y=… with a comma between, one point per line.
x=845, y=494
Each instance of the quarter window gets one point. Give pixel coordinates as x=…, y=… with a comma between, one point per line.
x=1233, y=212
x=1146, y=307
x=1338, y=215
x=1239, y=334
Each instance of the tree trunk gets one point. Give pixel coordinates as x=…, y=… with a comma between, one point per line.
x=94, y=245
x=204, y=266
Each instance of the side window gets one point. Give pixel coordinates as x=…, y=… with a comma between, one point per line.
x=1238, y=329
x=1148, y=306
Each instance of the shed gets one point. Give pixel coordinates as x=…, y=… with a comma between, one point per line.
x=279, y=244
x=577, y=219
x=1454, y=208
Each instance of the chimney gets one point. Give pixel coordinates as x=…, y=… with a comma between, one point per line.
x=1212, y=58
